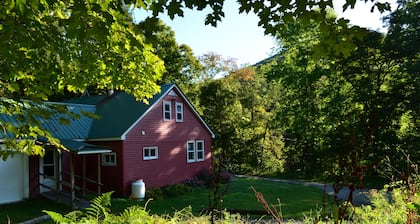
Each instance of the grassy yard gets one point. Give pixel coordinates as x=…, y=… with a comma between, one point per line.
x=296, y=201
x=25, y=210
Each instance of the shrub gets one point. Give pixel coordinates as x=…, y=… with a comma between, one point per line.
x=389, y=205
x=225, y=177
x=168, y=191
x=155, y=193
x=175, y=190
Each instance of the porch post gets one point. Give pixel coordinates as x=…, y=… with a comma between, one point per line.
x=72, y=193
x=99, y=175
x=57, y=174
x=84, y=176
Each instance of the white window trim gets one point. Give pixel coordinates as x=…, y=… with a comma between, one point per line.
x=156, y=156
x=188, y=152
x=164, y=111
x=106, y=163
x=181, y=112
x=196, y=150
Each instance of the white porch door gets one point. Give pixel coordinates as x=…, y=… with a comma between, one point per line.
x=48, y=170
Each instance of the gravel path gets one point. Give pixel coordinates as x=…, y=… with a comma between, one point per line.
x=360, y=196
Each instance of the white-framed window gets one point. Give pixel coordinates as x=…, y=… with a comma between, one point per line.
x=150, y=153
x=109, y=159
x=167, y=111
x=190, y=151
x=179, y=112
x=195, y=151
x=199, y=148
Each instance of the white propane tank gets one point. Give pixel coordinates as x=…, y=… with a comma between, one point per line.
x=138, y=189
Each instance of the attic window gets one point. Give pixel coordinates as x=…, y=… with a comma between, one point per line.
x=109, y=159
x=167, y=112
x=179, y=112
x=172, y=93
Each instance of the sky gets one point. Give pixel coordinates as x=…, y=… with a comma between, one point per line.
x=238, y=36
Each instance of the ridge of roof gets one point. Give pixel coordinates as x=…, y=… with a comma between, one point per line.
x=119, y=111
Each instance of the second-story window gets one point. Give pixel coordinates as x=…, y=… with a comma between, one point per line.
x=179, y=112
x=167, y=112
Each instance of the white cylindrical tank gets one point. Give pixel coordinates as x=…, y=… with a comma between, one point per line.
x=138, y=189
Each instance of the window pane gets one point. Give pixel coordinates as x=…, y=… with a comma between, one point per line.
x=190, y=146
x=152, y=152
x=146, y=153
x=190, y=155
x=200, y=155
x=167, y=115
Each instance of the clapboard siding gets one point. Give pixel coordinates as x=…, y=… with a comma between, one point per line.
x=34, y=176
x=170, y=137
x=112, y=176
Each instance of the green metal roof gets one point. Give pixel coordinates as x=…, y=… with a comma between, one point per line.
x=82, y=148
x=117, y=112
x=76, y=125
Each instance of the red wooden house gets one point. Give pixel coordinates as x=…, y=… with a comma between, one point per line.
x=164, y=142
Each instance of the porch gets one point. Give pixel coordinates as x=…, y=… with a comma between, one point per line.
x=60, y=182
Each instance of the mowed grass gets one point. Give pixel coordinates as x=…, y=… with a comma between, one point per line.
x=296, y=201
x=29, y=209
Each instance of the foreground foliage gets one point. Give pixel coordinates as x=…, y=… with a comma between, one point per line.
x=99, y=213
x=398, y=202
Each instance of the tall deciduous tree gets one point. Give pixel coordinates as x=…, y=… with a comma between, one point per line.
x=345, y=113
x=48, y=47
x=216, y=66
x=239, y=108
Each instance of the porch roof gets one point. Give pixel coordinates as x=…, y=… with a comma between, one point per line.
x=82, y=148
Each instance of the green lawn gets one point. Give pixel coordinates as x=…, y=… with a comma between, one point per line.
x=25, y=210
x=296, y=200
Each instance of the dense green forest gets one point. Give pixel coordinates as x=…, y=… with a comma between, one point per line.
x=315, y=111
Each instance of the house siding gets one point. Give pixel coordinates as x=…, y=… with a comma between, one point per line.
x=111, y=177
x=33, y=165
x=170, y=137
